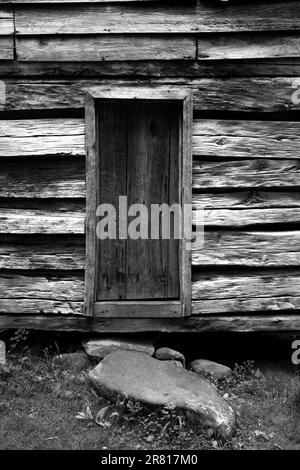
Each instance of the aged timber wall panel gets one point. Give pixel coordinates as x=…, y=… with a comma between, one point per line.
x=257, y=179
x=242, y=60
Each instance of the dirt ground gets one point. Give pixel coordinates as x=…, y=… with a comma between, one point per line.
x=45, y=407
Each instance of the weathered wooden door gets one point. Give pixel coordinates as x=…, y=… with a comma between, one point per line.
x=138, y=152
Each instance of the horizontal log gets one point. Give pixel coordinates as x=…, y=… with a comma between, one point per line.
x=250, y=217
x=222, y=248
x=275, y=290
x=192, y=17
x=6, y=47
x=29, y=295
x=6, y=22
x=237, y=323
x=210, y=94
x=238, y=139
x=251, y=46
x=238, y=306
x=62, y=177
x=261, y=173
x=43, y=253
x=38, y=287
x=35, y=137
x=154, y=69
x=105, y=48
x=35, y=221
x=38, y=221
x=246, y=199
x=246, y=139
x=218, y=293
x=255, y=249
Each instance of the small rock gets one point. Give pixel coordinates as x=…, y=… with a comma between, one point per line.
x=101, y=347
x=145, y=379
x=168, y=354
x=77, y=361
x=203, y=366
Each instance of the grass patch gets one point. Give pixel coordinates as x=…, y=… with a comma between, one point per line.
x=44, y=407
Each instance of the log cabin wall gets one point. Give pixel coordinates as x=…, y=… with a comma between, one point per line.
x=242, y=61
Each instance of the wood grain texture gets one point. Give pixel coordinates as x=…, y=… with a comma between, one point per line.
x=260, y=173
x=203, y=323
x=30, y=294
x=151, y=145
x=158, y=18
x=35, y=221
x=242, y=248
x=265, y=291
x=40, y=178
x=64, y=177
x=250, y=217
x=36, y=137
x=222, y=248
x=246, y=199
x=154, y=69
x=42, y=253
x=262, y=291
x=6, y=22
x=251, y=46
x=105, y=48
x=6, y=47
x=112, y=163
x=209, y=94
x=246, y=139
x=226, y=139
x=38, y=221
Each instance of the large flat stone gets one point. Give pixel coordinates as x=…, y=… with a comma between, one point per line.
x=147, y=380
x=101, y=347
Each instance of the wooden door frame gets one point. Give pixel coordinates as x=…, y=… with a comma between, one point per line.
x=123, y=308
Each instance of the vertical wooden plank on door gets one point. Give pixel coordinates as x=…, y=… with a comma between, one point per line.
x=112, y=140
x=186, y=199
x=174, y=198
x=148, y=183
x=91, y=196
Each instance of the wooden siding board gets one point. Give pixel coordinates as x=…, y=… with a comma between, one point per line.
x=37, y=137
x=105, y=48
x=26, y=177
x=252, y=46
x=42, y=253
x=209, y=94
x=154, y=69
x=259, y=173
x=284, y=322
x=6, y=47
x=6, y=22
x=243, y=248
x=246, y=139
x=157, y=18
